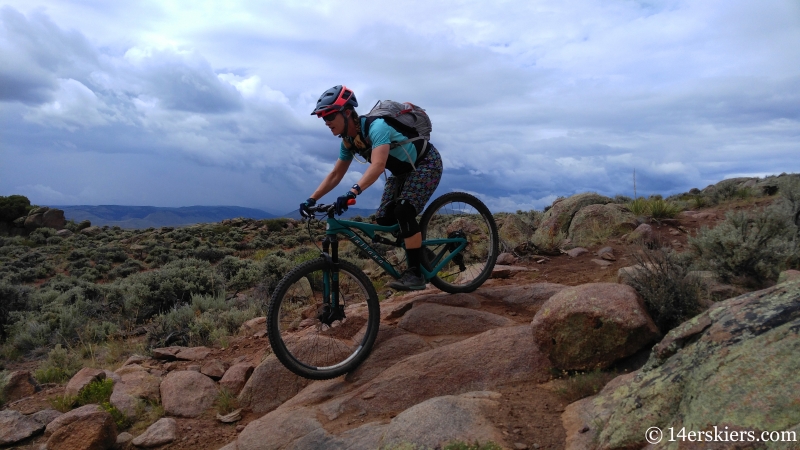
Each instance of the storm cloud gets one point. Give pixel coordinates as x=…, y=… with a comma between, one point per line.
x=179, y=104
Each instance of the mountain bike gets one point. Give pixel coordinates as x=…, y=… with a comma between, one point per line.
x=323, y=316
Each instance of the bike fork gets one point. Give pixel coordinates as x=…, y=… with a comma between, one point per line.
x=331, y=309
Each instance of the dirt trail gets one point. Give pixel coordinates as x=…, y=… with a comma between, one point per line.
x=529, y=413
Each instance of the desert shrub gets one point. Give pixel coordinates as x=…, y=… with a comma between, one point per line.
x=271, y=269
x=29, y=266
x=748, y=248
x=158, y=256
x=302, y=254
x=171, y=327
x=669, y=296
x=655, y=207
x=29, y=335
x=230, y=265
x=203, y=322
x=59, y=366
x=97, y=392
x=239, y=274
x=40, y=235
x=698, y=201
x=622, y=199
x=129, y=267
x=211, y=254
x=276, y=224
x=13, y=207
x=789, y=188
x=662, y=209
x=54, y=240
x=226, y=402
x=149, y=293
x=77, y=254
x=14, y=298
x=638, y=206
x=110, y=253
x=724, y=191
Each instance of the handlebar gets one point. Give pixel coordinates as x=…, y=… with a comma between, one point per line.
x=329, y=209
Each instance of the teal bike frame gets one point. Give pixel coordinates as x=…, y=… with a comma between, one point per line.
x=336, y=227
x=330, y=252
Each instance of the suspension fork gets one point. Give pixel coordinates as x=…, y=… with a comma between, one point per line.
x=330, y=251
x=331, y=309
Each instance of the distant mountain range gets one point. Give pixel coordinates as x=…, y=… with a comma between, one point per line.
x=152, y=216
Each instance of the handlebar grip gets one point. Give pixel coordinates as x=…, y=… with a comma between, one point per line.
x=351, y=202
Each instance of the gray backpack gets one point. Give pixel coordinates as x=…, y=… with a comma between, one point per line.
x=407, y=118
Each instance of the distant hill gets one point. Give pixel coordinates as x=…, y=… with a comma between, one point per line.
x=152, y=216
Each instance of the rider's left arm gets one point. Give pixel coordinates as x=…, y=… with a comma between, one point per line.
x=377, y=165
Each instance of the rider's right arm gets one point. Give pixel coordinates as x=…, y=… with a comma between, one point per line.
x=332, y=179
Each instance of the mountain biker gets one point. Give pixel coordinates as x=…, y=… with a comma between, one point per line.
x=416, y=169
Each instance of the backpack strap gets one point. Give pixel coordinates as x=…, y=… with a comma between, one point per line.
x=406, y=131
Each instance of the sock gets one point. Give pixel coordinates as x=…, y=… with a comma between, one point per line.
x=414, y=260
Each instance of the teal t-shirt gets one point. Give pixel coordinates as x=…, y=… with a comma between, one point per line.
x=381, y=133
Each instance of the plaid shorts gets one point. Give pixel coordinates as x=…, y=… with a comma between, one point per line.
x=417, y=187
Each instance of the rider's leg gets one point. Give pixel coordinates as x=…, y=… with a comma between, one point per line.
x=416, y=189
x=409, y=230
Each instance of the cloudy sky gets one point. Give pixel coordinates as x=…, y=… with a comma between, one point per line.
x=177, y=103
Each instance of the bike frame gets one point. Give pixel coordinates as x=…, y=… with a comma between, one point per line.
x=336, y=227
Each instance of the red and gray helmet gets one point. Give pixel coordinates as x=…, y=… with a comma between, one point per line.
x=334, y=100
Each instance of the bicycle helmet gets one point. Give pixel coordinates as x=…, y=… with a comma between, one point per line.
x=334, y=100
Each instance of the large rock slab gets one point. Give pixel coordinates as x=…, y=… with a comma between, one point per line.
x=193, y=353
x=429, y=424
x=135, y=384
x=19, y=384
x=593, y=224
x=187, y=393
x=236, y=376
x=558, y=218
x=531, y=296
x=15, y=427
x=71, y=416
x=385, y=354
x=54, y=218
x=481, y=362
x=86, y=431
x=440, y=420
x=733, y=366
x=164, y=431
x=270, y=385
x=592, y=325
x=430, y=319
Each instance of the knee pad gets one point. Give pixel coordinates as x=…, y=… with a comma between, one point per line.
x=406, y=216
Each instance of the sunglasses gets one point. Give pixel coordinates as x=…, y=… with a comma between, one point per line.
x=330, y=117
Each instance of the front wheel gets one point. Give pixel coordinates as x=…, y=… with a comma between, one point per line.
x=313, y=339
x=460, y=215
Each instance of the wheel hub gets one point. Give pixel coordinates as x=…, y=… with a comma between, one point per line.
x=329, y=314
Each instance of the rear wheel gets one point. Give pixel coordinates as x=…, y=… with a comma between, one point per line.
x=312, y=339
x=460, y=215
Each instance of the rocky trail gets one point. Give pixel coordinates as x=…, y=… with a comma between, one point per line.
x=445, y=367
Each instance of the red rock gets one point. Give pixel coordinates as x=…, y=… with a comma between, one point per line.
x=92, y=431
x=235, y=378
x=82, y=379
x=187, y=394
x=592, y=325
x=19, y=384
